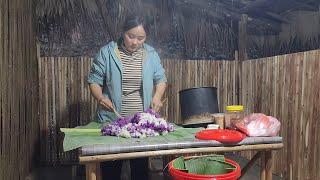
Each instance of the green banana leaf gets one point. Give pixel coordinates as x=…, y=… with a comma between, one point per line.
x=179, y=163
x=205, y=165
x=90, y=134
x=195, y=166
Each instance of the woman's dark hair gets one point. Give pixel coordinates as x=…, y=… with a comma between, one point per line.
x=132, y=21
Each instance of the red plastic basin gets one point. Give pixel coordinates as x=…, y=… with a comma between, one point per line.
x=180, y=175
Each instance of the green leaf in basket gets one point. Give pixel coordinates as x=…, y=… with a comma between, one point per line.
x=208, y=165
x=215, y=167
x=195, y=166
x=213, y=157
x=179, y=163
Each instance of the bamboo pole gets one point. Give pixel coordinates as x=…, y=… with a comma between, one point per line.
x=268, y=164
x=93, y=171
x=263, y=166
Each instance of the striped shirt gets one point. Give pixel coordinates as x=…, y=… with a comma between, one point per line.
x=131, y=81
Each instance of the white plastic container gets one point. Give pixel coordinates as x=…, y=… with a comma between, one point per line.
x=213, y=126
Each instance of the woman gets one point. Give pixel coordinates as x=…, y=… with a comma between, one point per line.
x=123, y=77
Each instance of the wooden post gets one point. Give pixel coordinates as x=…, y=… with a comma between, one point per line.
x=268, y=166
x=243, y=38
x=263, y=166
x=241, y=54
x=238, y=78
x=93, y=171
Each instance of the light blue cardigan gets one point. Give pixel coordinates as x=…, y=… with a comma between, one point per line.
x=106, y=71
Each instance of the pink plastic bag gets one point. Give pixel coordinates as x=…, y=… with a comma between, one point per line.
x=258, y=124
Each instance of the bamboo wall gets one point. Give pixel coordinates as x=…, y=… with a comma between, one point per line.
x=283, y=86
x=19, y=128
x=287, y=87
x=65, y=101
x=200, y=73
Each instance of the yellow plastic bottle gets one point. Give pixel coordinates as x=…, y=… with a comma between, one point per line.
x=233, y=114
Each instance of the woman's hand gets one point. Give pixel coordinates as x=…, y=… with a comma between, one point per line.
x=106, y=103
x=96, y=91
x=156, y=104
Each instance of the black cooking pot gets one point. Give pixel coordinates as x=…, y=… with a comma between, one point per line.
x=197, y=101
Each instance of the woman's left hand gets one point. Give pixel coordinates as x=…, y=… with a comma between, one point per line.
x=156, y=104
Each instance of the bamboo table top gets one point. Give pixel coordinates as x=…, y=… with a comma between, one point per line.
x=128, y=150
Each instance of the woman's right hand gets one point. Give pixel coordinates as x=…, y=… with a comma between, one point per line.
x=96, y=91
x=106, y=103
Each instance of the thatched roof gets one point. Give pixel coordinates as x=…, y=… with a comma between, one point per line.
x=202, y=28
x=263, y=13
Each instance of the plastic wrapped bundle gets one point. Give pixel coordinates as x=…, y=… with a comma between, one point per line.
x=258, y=124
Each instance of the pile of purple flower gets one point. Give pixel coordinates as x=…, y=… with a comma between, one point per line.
x=146, y=124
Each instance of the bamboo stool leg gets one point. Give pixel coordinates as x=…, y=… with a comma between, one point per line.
x=268, y=162
x=263, y=166
x=93, y=171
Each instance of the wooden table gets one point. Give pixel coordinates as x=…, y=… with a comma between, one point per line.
x=264, y=151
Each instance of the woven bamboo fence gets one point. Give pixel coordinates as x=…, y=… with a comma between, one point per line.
x=283, y=86
x=65, y=101
x=19, y=128
x=199, y=73
x=287, y=87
